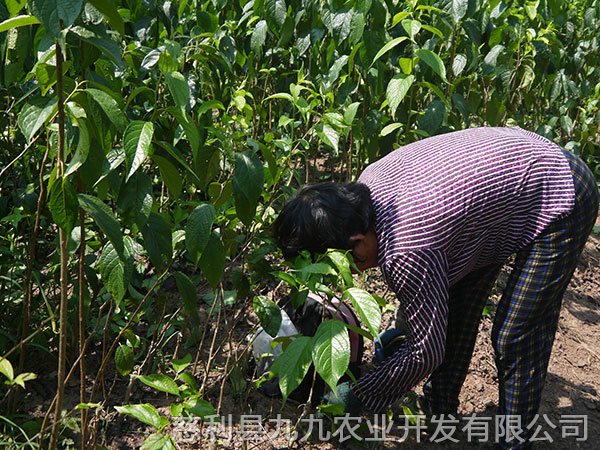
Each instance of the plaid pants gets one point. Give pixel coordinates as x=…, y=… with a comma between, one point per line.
x=527, y=315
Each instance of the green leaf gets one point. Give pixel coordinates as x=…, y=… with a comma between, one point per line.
x=14, y=7
x=18, y=21
x=259, y=35
x=190, y=129
x=212, y=261
x=170, y=176
x=180, y=364
x=331, y=351
x=100, y=39
x=63, y=204
x=158, y=241
x=433, y=117
x=276, y=11
x=135, y=199
x=82, y=151
x=198, y=229
x=209, y=105
x=367, y=308
x=321, y=268
x=145, y=413
x=104, y=218
x=34, y=115
x=110, y=13
x=328, y=135
x=199, y=407
x=268, y=313
x=433, y=61
x=115, y=270
x=357, y=28
x=293, y=364
x=110, y=107
x=343, y=266
x=248, y=179
x=489, y=62
x=391, y=44
x=458, y=65
x=188, y=293
x=158, y=441
x=459, y=9
x=178, y=87
x=350, y=113
x=6, y=368
x=389, y=128
x=23, y=377
x=412, y=27
x=124, y=359
x=52, y=12
x=136, y=142
x=161, y=382
x=397, y=89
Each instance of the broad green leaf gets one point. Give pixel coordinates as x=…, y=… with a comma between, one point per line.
x=212, y=261
x=180, y=364
x=268, y=313
x=433, y=117
x=198, y=229
x=391, y=44
x=110, y=13
x=276, y=11
x=282, y=95
x=293, y=364
x=389, y=128
x=321, y=268
x=188, y=293
x=63, y=204
x=190, y=129
x=357, y=28
x=397, y=89
x=350, y=113
x=459, y=9
x=248, y=179
x=170, y=175
x=458, y=65
x=6, y=368
x=145, y=413
x=110, y=107
x=199, y=407
x=491, y=58
x=23, y=377
x=101, y=40
x=161, y=382
x=124, y=359
x=104, y=218
x=158, y=241
x=367, y=308
x=34, y=115
x=82, y=150
x=259, y=35
x=328, y=135
x=399, y=17
x=412, y=27
x=343, y=266
x=52, y=12
x=158, y=441
x=331, y=351
x=135, y=199
x=208, y=105
x=434, y=30
x=531, y=8
x=433, y=61
x=136, y=142
x=116, y=270
x=14, y=7
x=18, y=21
x=179, y=88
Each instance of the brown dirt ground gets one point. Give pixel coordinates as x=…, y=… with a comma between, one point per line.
x=572, y=386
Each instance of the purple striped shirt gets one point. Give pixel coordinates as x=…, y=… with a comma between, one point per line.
x=445, y=206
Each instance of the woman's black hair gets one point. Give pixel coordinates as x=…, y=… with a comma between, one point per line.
x=322, y=216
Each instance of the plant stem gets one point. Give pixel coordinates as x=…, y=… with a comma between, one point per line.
x=62, y=236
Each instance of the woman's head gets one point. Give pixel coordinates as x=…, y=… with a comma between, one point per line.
x=322, y=216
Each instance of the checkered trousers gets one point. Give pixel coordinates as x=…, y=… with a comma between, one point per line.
x=527, y=315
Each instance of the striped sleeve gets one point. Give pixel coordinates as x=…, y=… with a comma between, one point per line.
x=420, y=279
